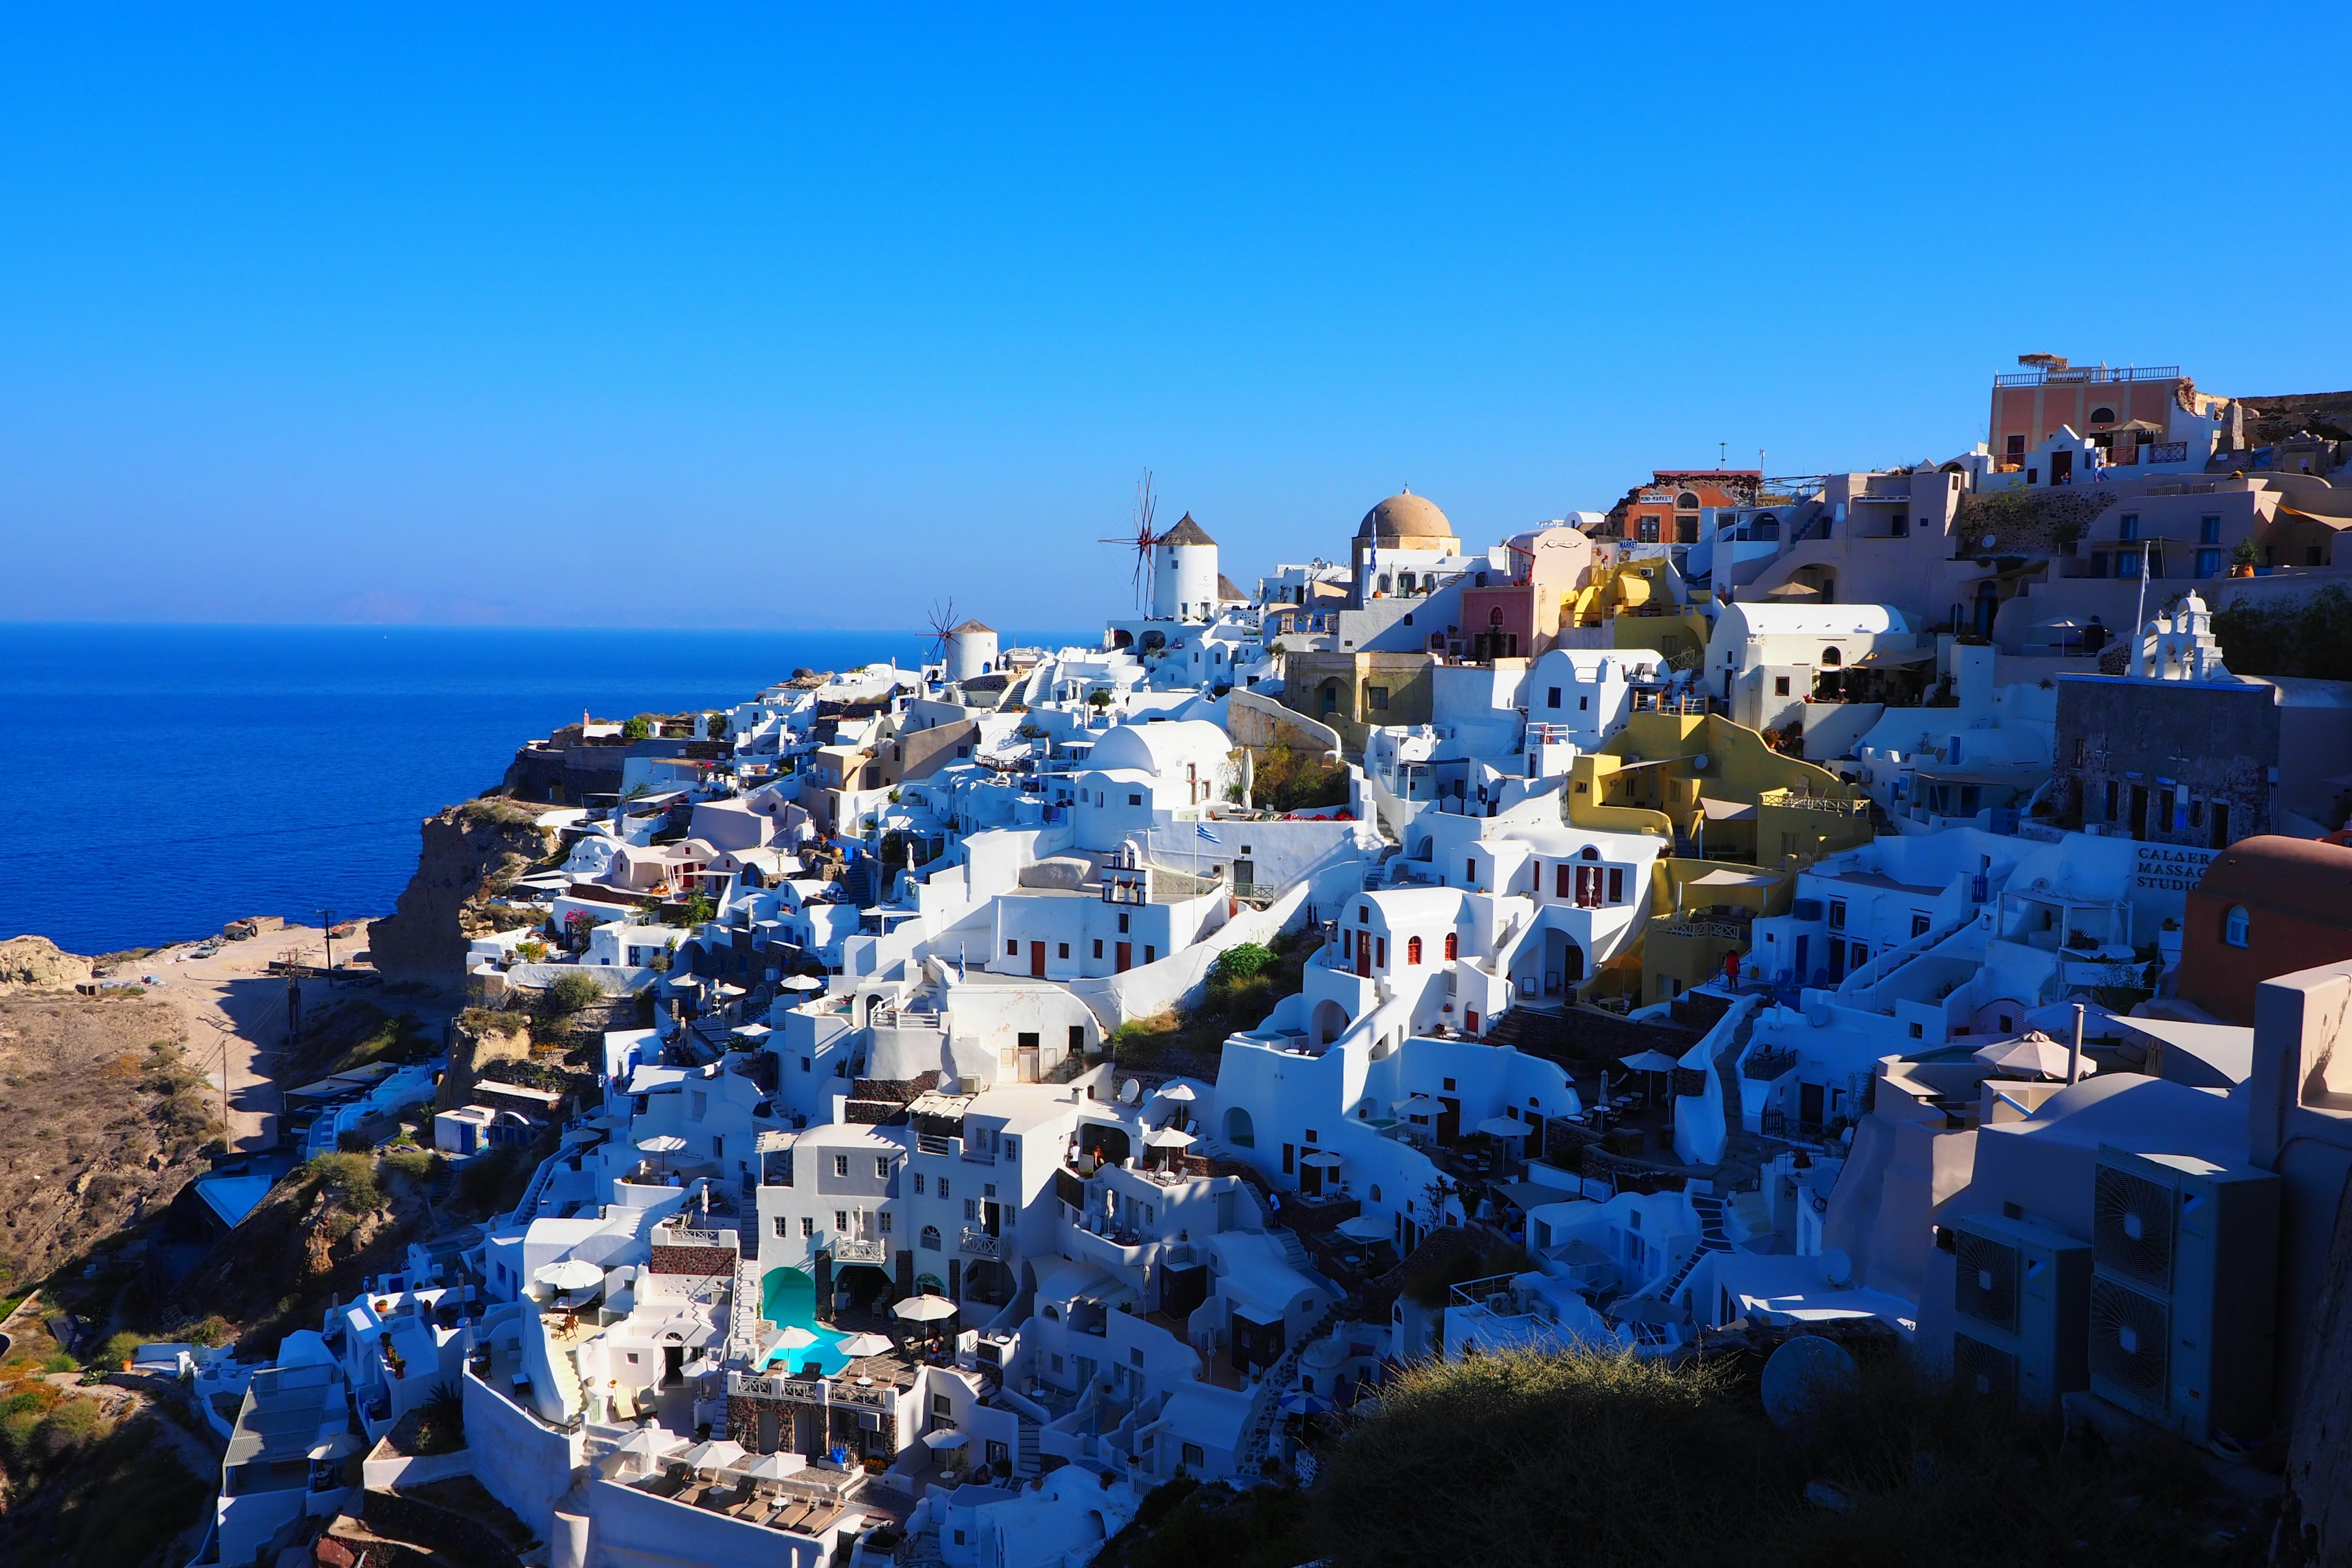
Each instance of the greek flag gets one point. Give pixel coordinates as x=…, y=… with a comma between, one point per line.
x=1202, y=828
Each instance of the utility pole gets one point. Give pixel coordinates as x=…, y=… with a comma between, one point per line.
x=224, y=1029
x=327, y=922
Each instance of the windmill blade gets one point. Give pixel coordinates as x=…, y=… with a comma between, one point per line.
x=942, y=623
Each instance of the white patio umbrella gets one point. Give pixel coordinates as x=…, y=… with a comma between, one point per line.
x=1175, y=1091
x=2032, y=1052
x=923, y=1309
x=1167, y=1138
x=1299, y=1402
x=1363, y=1227
x=571, y=1274
x=795, y=1338
x=774, y=1467
x=661, y=1143
x=649, y=1442
x=1505, y=1127
x=941, y=1442
x=800, y=982
x=1322, y=1157
x=859, y=1345
x=1419, y=1105
x=1650, y=1061
x=716, y=1455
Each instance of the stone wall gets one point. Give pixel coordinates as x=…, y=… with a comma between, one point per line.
x=696, y=1261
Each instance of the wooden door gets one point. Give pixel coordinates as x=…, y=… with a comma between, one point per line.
x=1037, y=960
x=1125, y=955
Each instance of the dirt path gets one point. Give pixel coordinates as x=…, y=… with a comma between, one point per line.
x=233, y=1005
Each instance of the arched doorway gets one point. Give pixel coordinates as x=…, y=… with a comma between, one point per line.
x=1240, y=1131
x=1331, y=1022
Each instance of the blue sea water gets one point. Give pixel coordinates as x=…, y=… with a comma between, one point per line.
x=167, y=778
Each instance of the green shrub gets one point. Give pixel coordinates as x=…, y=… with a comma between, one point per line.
x=571, y=993
x=1242, y=961
x=639, y=728
x=1594, y=1460
x=415, y=1164
x=348, y=1181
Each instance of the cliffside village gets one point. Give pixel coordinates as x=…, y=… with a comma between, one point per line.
x=1766, y=905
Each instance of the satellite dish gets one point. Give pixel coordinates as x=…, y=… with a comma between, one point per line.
x=1837, y=1268
x=1803, y=1375
x=1130, y=1092
x=1698, y=763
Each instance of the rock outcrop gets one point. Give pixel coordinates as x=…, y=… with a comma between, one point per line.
x=36, y=963
x=470, y=853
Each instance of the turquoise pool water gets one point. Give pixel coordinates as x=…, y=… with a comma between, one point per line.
x=788, y=1300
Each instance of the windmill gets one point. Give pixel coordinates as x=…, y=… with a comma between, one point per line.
x=1141, y=540
x=943, y=624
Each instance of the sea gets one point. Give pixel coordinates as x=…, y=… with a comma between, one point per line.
x=169, y=779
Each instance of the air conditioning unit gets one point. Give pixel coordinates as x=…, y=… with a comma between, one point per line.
x=2019, y=1295
x=2183, y=1315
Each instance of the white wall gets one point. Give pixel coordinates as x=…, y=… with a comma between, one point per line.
x=520, y=1462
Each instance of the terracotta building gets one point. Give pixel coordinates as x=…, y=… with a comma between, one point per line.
x=2265, y=907
x=1667, y=510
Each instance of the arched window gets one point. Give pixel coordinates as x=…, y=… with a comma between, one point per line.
x=1413, y=950
x=1687, y=501
x=1239, y=1131
x=1590, y=853
x=929, y=1239
x=1453, y=946
x=1376, y=1192
x=2103, y=415
x=1832, y=657
x=2237, y=926
x=1494, y=617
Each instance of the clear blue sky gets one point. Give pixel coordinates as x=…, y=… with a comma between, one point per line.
x=658, y=315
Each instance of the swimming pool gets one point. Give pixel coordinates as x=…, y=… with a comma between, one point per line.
x=788, y=1300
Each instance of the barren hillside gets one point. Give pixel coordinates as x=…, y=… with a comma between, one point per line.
x=101, y=1120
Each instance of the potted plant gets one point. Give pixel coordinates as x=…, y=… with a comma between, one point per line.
x=2242, y=558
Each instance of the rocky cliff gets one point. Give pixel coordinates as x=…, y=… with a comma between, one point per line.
x=470, y=853
x=36, y=963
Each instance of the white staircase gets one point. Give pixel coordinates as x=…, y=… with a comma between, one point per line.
x=1024, y=1459
x=743, y=1311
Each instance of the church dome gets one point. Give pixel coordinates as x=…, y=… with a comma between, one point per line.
x=1406, y=520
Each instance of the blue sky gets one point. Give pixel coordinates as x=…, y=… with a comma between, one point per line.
x=746, y=316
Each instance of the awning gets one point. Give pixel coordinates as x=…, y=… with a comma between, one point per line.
x=1733, y=880
x=1886, y=657
x=1728, y=810
x=1505, y=1127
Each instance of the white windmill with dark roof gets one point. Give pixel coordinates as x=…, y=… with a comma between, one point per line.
x=1185, y=574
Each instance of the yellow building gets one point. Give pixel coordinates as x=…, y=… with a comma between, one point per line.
x=1743, y=819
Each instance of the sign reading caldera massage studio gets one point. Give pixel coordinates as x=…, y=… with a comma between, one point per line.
x=2162, y=875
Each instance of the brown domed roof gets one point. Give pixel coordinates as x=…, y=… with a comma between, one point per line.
x=2302, y=876
x=1405, y=518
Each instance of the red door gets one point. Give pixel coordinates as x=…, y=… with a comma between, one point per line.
x=1037, y=960
x=1125, y=955
x=1363, y=959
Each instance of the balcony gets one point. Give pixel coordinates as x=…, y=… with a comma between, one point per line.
x=980, y=1244
x=860, y=1249
x=2071, y=374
